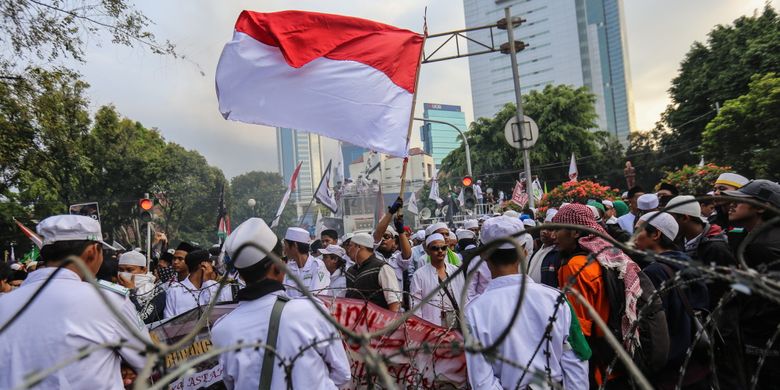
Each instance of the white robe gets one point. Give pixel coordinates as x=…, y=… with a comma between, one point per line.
x=425, y=280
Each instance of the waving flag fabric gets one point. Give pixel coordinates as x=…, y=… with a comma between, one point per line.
x=36, y=239
x=573, y=169
x=286, y=197
x=342, y=77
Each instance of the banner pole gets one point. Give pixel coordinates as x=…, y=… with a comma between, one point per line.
x=303, y=216
x=411, y=114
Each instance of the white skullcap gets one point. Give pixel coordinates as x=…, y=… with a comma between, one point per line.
x=647, y=202
x=391, y=231
x=297, y=234
x=334, y=250
x=250, y=235
x=132, y=258
x=529, y=222
x=664, y=222
x=363, y=239
x=732, y=179
x=70, y=228
x=419, y=235
x=608, y=203
x=511, y=214
x=452, y=236
x=463, y=234
x=434, y=237
x=471, y=224
x=501, y=227
x=433, y=228
x=550, y=214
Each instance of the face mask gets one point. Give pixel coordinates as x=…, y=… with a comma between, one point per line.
x=144, y=283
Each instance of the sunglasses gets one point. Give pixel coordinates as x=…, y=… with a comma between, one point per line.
x=387, y=237
x=434, y=248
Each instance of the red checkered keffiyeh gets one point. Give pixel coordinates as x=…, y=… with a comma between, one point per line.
x=609, y=257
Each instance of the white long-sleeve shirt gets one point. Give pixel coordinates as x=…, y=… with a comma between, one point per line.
x=183, y=296
x=66, y=317
x=313, y=274
x=425, y=280
x=397, y=262
x=490, y=313
x=338, y=284
x=323, y=367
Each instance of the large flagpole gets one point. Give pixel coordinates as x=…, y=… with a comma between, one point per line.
x=411, y=114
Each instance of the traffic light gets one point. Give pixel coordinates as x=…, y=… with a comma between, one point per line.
x=469, y=199
x=145, y=209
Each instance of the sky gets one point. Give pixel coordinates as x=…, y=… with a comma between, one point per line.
x=177, y=96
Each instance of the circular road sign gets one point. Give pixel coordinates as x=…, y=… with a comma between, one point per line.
x=530, y=133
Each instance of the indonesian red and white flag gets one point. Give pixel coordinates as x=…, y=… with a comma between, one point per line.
x=342, y=77
x=573, y=169
x=286, y=197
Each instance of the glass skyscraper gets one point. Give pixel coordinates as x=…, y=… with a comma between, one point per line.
x=573, y=42
x=350, y=153
x=440, y=139
x=293, y=147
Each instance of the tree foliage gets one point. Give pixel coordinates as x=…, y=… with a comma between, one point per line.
x=566, y=117
x=267, y=189
x=50, y=29
x=745, y=132
x=58, y=154
x=717, y=71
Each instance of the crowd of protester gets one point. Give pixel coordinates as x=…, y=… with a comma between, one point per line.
x=650, y=267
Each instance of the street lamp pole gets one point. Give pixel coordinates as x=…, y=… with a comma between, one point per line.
x=465, y=141
x=519, y=101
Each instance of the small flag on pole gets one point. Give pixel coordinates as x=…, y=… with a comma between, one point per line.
x=290, y=188
x=379, y=208
x=536, y=190
x=324, y=195
x=434, y=195
x=573, y=169
x=411, y=204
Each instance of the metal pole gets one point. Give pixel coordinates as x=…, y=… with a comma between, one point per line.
x=148, y=241
x=510, y=32
x=465, y=140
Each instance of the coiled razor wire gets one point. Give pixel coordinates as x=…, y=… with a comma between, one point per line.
x=763, y=283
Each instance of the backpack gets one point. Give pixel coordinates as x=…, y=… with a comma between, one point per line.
x=652, y=354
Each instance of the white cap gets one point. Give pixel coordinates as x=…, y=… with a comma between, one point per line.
x=364, y=240
x=595, y=212
x=479, y=181
x=470, y=224
x=252, y=231
x=732, y=179
x=463, y=234
x=511, y=214
x=529, y=222
x=664, y=222
x=691, y=208
x=419, y=235
x=452, y=236
x=647, y=202
x=608, y=203
x=70, y=228
x=434, y=237
x=346, y=236
x=391, y=230
x=132, y=258
x=433, y=228
x=334, y=250
x=501, y=227
x=550, y=214
x=297, y=234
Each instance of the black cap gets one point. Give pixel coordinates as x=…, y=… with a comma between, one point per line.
x=669, y=187
x=764, y=190
x=634, y=190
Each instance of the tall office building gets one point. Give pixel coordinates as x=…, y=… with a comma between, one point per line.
x=296, y=146
x=350, y=153
x=440, y=139
x=573, y=42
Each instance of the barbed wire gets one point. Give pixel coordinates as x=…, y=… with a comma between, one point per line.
x=740, y=278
